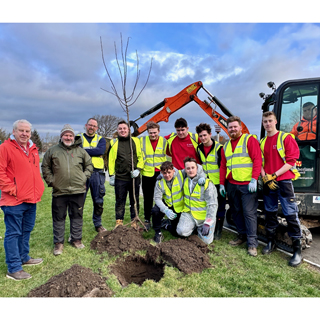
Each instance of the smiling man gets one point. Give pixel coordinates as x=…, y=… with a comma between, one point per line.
x=95, y=145
x=124, y=171
x=22, y=188
x=200, y=205
x=66, y=168
x=182, y=144
x=153, y=147
x=239, y=170
x=209, y=152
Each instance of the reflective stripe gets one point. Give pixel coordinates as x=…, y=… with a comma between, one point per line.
x=194, y=202
x=210, y=163
x=281, y=150
x=97, y=162
x=239, y=161
x=173, y=197
x=152, y=158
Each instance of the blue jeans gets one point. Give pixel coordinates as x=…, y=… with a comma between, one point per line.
x=19, y=221
x=96, y=185
x=286, y=196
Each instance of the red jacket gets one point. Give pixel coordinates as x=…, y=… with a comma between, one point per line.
x=19, y=174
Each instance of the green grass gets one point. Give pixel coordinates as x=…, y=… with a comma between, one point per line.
x=234, y=273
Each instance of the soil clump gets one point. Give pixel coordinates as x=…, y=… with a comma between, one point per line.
x=185, y=254
x=119, y=240
x=77, y=281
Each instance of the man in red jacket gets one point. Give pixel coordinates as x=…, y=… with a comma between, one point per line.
x=22, y=187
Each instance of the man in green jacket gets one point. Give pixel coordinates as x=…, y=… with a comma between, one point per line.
x=66, y=168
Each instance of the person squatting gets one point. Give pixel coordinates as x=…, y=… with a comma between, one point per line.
x=184, y=196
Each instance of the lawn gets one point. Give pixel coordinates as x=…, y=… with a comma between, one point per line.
x=235, y=273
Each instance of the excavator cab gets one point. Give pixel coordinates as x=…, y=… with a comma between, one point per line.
x=295, y=103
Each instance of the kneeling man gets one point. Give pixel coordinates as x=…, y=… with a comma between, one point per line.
x=200, y=205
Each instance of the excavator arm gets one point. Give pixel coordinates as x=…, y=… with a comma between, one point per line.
x=173, y=104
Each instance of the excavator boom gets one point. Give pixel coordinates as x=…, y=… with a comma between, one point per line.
x=185, y=96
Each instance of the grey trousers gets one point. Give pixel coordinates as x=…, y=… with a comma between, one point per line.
x=188, y=223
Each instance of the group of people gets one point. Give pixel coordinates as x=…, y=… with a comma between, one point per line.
x=185, y=195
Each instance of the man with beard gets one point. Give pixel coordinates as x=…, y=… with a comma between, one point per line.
x=240, y=168
x=95, y=145
x=66, y=168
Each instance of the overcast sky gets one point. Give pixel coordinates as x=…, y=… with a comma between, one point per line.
x=53, y=73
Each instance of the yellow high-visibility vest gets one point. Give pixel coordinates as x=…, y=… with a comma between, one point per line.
x=174, y=197
x=153, y=159
x=114, y=151
x=239, y=161
x=97, y=162
x=194, y=203
x=210, y=163
x=280, y=148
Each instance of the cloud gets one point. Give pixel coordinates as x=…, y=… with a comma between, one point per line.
x=52, y=74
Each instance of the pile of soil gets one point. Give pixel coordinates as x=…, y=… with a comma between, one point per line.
x=137, y=269
x=119, y=240
x=77, y=281
x=186, y=255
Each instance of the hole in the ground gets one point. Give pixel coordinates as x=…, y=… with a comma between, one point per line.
x=136, y=269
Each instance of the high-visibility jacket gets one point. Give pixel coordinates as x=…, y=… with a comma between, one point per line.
x=210, y=163
x=193, y=136
x=97, y=162
x=174, y=197
x=280, y=147
x=239, y=161
x=153, y=159
x=113, y=151
x=309, y=129
x=194, y=203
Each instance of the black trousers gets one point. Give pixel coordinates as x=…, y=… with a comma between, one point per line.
x=122, y=188
x=73, y=204
x=157, y=217
x=244, y=207
x=148, y=184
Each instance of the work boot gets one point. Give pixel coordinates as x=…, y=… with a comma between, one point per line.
x=218, y=229
x=271, y=245
x=252, y=251
x=158, y=237
x=237, y=241
x=134, y=225
x=32, y=262
x=77, y=244
x=119, y=222
x=101, y=229
x=19, y=275
x=58, y=248
x=296, y=258
x=147, y=224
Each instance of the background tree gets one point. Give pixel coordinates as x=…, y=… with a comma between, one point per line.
x=35, y=138
x=107, y=125
x=4, y=135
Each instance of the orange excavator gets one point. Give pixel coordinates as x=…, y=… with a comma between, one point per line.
x=185, y=96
